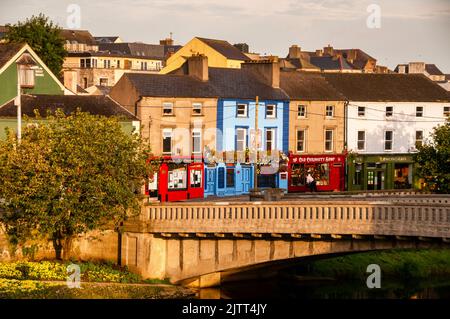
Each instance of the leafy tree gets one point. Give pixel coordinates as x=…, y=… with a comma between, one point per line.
x=69, y=175
x=44, y=38
x=433, y=160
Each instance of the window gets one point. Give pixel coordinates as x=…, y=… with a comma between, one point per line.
x=167, y=108
x=230, y=176
x=301, y=111
x=419, y=111
x=270, y=139
x=82, y=63
x=328, y=140
x=94, y=63
x=242, y=110
x=358, y=177
x=361, y=111
x=167, y=141
x=143, y=65
x=271, y=111
x=301, y=140
x=26, y=77
x=177, y=178
x=329, y=111
x=446, y=111
x=361, y=140
x=241, y=139
x=196, y=179
x=419, y=138
x=388, y=136
x=118, y=64
x=197, y=108
x=106, y=64
x=196, y=141
x=389, y=111
x=88, y=63
x=103, y=82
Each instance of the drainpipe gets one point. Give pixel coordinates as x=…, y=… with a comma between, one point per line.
x=136, y=106
x=345, y=145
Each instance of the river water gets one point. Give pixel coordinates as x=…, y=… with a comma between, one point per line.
x=299, y=288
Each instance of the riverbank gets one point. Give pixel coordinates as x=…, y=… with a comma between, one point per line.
x=47, y=280
x=399, y=264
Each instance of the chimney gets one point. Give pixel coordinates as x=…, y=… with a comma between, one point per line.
x=166, y=41
x=328, y=50
x=416, y=67
x=71, y=80
x=319, y=52
x=268, y=71
x=198, y=67
x=402, y=68
x=294, y=51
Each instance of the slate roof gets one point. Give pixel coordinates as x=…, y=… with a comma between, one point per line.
x=225, y=48
x=330, y=63
x=106, y=39
x=94, y=104
x=7, y=51
x=309, y=86
x=222, y=83
x=169, y=85
x=134, y=49
x=432, y=69
x=80, y=36
x=387, y=87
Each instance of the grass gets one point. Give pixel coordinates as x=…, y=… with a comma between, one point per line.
x=47, y=279
x=400, y=264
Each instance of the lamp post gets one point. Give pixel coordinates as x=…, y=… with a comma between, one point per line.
x=255, y=177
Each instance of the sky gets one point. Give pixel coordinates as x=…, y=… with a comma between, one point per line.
x=404, y=30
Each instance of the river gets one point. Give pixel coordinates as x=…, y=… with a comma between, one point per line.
x=310, y=288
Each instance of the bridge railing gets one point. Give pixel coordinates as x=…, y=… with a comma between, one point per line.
x=333, y=217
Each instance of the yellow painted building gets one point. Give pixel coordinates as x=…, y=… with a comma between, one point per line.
x=317, y=114
x=220, y=54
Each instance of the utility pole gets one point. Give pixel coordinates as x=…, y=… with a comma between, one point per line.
x=19, y=107
x=255, y=177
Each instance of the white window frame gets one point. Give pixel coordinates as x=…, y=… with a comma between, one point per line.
x=363, y=112
x=27, y=77
x=167, y=105
x=332, y=111
x=196, y=133
x=325, y=140
x=305, y=114
x=359, y=140
x=273, y=114
x=167, y=132
x=245, y=110
x=197, y=106
x=386, y=112
x=446, y=111
x=273, y=141
x=244, y=141
x=420, y=112
x=391, y=140
x=304, y=140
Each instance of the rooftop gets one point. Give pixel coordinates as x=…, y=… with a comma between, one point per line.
x=225, y=48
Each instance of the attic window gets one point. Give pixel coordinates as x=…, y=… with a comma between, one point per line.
x=167, y=108
x=197, y=108
x=26, y=77
x=242, y=110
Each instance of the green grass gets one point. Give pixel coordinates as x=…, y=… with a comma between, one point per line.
x=400, y=264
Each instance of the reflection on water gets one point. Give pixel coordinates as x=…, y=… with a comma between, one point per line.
x=293, y=288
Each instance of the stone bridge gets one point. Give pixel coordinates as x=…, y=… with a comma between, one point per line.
x=202, y=243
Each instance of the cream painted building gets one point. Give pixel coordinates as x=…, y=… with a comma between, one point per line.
x=220, y=54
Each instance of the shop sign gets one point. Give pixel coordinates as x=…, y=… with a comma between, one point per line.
x=323, y=159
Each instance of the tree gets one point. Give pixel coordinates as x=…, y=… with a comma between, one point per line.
x=44, y=38
x=69, y=175
x=433, y=160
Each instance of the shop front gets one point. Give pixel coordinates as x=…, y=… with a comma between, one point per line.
x=228, y=179
x=378, y=172
x=327, y=170
x=177, y=179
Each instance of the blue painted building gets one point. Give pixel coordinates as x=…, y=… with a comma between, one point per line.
x=237, y=90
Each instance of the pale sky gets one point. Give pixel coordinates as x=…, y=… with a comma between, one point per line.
x=411, y=30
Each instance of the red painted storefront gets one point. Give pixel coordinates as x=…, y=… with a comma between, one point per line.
x=328, y=171
x=178, y=179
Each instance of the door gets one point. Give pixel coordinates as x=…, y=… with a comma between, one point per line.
x=246, y=179
x=210, y=181
x=379, y=180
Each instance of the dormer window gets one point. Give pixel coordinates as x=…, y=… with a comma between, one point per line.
x=26, y=77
